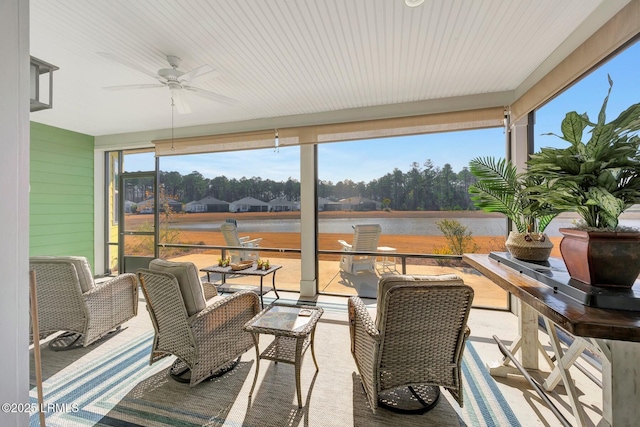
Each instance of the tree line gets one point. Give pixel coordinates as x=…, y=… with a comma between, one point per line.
x=422, y=187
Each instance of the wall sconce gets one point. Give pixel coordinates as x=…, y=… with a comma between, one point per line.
x=38, y=71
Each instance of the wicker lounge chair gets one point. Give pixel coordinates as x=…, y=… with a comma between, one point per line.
x=206, y=335
x=69, y=300
x=365, y=239
x=230, y=233
x=415, y=343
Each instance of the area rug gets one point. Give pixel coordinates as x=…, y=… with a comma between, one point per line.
x=112, y=384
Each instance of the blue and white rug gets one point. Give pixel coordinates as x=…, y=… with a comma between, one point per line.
x=112, y=384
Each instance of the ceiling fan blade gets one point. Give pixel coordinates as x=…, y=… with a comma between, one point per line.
x=212, y=95
x=179, y=102
x=129, y=64
x=127, y=87
x=190, y=76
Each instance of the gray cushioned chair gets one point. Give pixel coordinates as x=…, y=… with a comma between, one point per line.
x=416, y=342
x=70, y=300
x=202, y=329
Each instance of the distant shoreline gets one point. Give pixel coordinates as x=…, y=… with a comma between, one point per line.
x=328, y=241
x=183, y=217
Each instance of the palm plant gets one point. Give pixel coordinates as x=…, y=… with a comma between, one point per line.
x=500, y=188
x=599, y=178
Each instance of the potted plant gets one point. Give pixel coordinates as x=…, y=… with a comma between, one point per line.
x=500, y=188
x=598, y=178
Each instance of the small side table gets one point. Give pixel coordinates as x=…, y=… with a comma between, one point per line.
x=388, y=262
x=293, y=333
x=251, y=271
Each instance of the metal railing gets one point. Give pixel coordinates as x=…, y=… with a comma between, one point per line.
x=402, y=255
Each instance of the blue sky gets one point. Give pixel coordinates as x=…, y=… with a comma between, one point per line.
x=372, y=159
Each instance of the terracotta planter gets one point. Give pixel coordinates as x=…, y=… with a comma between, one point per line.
x=529, y=246
x=600, y=258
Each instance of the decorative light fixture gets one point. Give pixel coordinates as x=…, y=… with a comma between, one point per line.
x=413, y=3
x=37, y=69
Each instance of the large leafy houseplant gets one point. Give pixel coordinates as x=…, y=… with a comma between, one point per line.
x=500, y=188
x=598, y=177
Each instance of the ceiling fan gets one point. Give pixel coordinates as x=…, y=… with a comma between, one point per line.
x=177, y=81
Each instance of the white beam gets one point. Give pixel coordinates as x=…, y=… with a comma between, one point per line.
x=14, y=209
x=308, y=214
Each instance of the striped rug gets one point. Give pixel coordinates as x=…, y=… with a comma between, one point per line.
x=112, y=384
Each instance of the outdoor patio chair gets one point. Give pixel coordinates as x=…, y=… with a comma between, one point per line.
x=230, y=233
x=365, y=239
x=195, y=324
x=416, y=342
x=69, y=300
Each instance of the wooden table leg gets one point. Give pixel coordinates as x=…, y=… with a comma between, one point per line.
x=527, y=344
x=620, y=382
x=576, y=406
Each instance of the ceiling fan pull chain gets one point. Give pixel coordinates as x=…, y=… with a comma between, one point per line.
x=172, y=108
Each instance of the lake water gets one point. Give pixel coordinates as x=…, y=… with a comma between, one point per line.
x=399, y=226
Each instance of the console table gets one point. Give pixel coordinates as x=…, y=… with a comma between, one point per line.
x=613, y=334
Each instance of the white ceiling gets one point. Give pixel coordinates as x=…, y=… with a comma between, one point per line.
x=299, y=60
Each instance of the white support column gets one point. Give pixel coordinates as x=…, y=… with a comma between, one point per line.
x=99, y=266
x=519, y=143
x=14, y=209
x=308, y=216
x=528, y=343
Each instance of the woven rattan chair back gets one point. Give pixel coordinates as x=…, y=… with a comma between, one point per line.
x=422, y=325
x=209, y=342
x=58, y=286
x=168, y=315
x=415, y=343
x=69, y=300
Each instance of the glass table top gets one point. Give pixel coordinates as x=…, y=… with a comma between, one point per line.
x=286, y=318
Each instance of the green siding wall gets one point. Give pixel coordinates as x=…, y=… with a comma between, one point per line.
x=61, y=198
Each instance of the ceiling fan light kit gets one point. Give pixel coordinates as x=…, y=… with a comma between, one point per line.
x=413, y=3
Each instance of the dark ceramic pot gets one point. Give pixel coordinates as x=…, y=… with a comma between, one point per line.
x=601, y=258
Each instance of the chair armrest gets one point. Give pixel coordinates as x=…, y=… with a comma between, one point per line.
x=251, y=243
x=122, y=285
x=345, y=246
x=210, y=290
x=227, y=308
x=365, y=344
x=360, y=323
x=110, y=304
